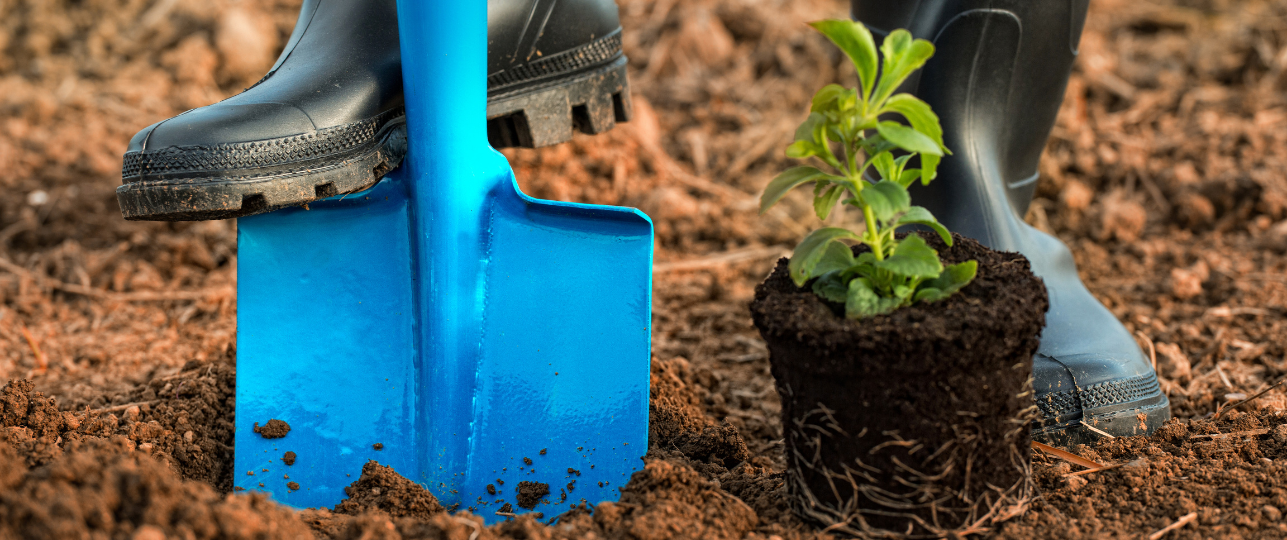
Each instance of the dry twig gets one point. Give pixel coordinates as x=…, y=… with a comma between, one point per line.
x=1095, y=470
x=1248, y=400
x=1097, y=431
x=1188, y=518
x=1066, y=455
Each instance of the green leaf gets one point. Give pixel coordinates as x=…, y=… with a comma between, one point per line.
x=822, y=204
x=952, y=279
x=908, y=177
x=810, y=251
x=862, y=301
x=802, y=150
x=885, y=165
x=929, y=294
x=918, y=215
x=922, y=119
x=785, y=182
x=833, y=98
x=908, y=139
x=913, y=258
x=832, y=287
x=836, y=257
x=808, y=129
x=855, y=40
x=886, y=199
x=902, y=56
x=918, y=114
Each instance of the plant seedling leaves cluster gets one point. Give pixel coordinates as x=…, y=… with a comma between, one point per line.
x=886, y=143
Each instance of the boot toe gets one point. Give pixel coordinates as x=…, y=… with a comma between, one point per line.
x=225, y=123
x=1088, y=370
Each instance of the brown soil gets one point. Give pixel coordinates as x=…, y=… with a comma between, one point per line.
x=918, y=418
x=274, y=429
x=380, y=488
x=1166, y=175
x=531, y=493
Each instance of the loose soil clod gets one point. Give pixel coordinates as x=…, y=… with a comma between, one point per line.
x=274, y=429
x=381, y=488
x=288, y=458
x=531, y=493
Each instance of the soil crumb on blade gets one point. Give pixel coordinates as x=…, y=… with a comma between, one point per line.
x=531, y=493
x=288, y=458
x=382, y=488
x=274, y=429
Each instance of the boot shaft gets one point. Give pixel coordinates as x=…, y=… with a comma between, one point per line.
x=996, y=80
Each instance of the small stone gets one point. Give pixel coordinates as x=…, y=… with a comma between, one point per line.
x=188, y=435
x=145, y=447
x=1266, y=461
x=1271, y=512
x=376, y=491
x=1137, y=467
x=132, y=413
x=1075, y=482
x=1061, y=468
x=148, y=532
x=1280, y=433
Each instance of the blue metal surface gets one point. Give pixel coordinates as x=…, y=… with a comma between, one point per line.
x=445, y=315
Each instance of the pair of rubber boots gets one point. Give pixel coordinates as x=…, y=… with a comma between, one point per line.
x=328, y=120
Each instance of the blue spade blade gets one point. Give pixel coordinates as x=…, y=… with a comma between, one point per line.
x=485, y=340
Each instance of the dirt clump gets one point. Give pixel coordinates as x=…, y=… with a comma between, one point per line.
x=274, y=429
x=381, y=488
x=288, y=458
x=531, y=493
x=100, y=488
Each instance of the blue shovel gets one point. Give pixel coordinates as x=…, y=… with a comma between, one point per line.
x=443, y=323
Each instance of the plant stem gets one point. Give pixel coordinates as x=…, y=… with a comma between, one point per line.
x=875, y=243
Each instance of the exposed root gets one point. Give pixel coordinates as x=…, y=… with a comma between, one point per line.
x=932, y=495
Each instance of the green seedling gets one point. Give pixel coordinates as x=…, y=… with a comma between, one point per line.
x=868, y=125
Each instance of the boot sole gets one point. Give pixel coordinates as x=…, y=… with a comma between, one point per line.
x=591, y=102
x=1139, y=416
x=541, y=114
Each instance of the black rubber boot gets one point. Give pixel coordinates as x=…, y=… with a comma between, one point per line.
x=996, y=80
x=328, y=119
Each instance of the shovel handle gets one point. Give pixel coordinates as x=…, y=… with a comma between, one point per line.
x=444, y=73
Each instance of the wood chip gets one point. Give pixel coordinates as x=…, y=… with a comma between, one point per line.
x=1066, y=455
x=1095, y=470
x=1188, y=518
x=1097, y=431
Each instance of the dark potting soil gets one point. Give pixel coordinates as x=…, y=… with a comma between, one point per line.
x=274, y=429
x=922, y=414
x=288, y=458
x=531, y=493
x=382, y=488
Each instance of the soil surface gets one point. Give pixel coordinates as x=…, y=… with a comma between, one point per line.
x=1166, y=175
